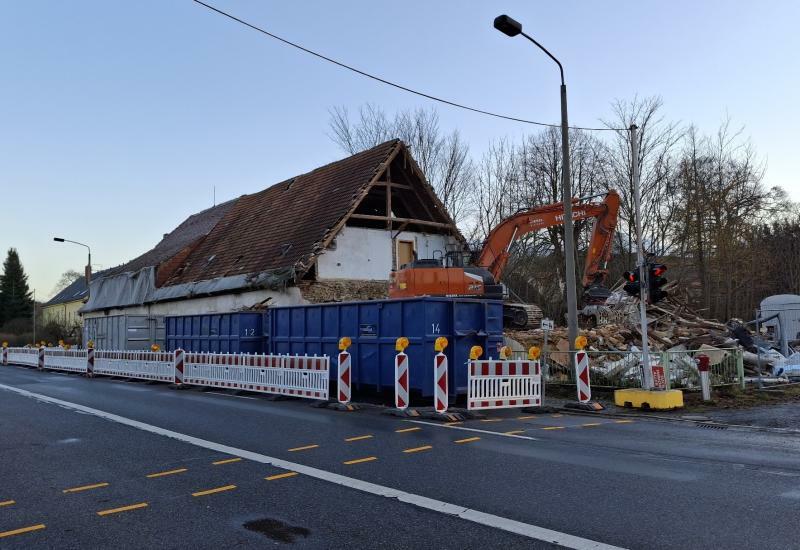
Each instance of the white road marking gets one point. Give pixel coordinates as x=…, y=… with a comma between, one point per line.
x=498, y=522
x=463, y=428
x=229, y=395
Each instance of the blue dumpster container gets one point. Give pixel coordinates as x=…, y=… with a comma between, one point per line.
x=237, y=332
x=374, y=326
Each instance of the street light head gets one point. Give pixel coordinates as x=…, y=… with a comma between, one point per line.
x=58, y=239
x=507, y=25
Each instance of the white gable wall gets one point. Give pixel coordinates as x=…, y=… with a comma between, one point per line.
x=360, y=253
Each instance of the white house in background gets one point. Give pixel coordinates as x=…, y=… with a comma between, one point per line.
x=332, y=234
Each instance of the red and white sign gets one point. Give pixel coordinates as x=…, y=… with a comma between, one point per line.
x=582, y=376
x=344, y=377
x=401, y=381
x=180, y=361
x=41, y=358
x=659, y=378
x=440, y=383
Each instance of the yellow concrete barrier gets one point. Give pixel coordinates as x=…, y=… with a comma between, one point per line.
x=649, y=399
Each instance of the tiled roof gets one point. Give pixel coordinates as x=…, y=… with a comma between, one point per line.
x=77, y=290
x=283, y=225
x=192, y=229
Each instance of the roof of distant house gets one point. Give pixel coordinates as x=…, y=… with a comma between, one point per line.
x=76, y=290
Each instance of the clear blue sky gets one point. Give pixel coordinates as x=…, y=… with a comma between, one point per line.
x=117, y=118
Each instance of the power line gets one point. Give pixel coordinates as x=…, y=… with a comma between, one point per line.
x=388, y=82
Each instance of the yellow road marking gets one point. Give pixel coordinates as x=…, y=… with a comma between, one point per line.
x=589, y=425
x=7, y=502
x=226, y=461
x=215, y=490
x=360, y=460
x=554, y=428
x=167, y=473
x=358, y=438
x=556, y=415
x=623, y=421
x=22, y=530
x=467, y=440
x=281, y=476
x=404, y=430
x=122, y=509
x=491, y=420
x=515, y=432
x=525, y=417
x=85, y=488
x=307, y=447
x=418, y=449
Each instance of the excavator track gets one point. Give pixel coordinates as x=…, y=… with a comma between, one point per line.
x=522, y=316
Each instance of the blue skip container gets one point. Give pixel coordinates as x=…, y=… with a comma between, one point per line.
x=374, y=326
x=238, y=332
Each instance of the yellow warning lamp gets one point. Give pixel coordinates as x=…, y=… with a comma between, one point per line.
x=90, y=344
x=401, y=344
x=49, y=344
x=580, y=342
x=5, y=344
x=505, y=352
x=440, y=344
x=67, y=346
x=155, y=347
x=475, y=352
x=534, y=353
x=344, y=343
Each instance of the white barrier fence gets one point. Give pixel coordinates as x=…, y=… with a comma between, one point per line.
x=68, y=360
x=504, y=384
x=293, y=375
x=298, y=376
x=142, y=365
x=23, y=356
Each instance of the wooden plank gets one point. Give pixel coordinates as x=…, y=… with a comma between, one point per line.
x=400, y=220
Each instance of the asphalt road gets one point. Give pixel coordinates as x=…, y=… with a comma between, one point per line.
x=156, y=475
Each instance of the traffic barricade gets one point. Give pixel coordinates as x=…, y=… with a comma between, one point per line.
x=143, y=365
x=73, y=360
x=23, y=356
x=502, y=384
x=297, y=376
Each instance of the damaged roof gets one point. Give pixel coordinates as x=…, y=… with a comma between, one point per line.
x=287, y=224
x=192, y=229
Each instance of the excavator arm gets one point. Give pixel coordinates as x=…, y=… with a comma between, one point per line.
x=496, y=248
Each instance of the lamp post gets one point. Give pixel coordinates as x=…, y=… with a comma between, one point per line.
x=510, y=27
x=88, y=271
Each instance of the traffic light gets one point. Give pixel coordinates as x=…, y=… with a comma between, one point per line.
x=655, y=281
x=632, y=285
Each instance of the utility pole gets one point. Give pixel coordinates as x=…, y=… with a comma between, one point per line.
x=647, y=373
x=34, y=317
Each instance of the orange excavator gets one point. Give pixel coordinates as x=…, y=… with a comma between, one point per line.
x=448, y=276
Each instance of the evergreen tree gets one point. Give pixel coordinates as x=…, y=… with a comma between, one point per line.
x=15, y=296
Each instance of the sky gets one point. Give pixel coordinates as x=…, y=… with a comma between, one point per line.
x=120, y=119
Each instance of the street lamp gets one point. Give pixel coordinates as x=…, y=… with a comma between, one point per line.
x=88, y=272
x=510, y=27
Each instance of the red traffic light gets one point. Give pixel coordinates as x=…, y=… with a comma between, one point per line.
x=631, y=276
x=658, y=269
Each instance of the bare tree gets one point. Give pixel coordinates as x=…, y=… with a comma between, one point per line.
x=66, y=279
x=443, y=157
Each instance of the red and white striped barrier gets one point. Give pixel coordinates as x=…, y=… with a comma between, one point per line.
x=90, y=362
x=179, y=364
x=440, y=399
x=142, y=365
x=5, y=356
x=401, y=381
x=293, y=375
x=67, y=360
x=504, y=384
x=582, y=376
x=40, y=361
x=344, y=378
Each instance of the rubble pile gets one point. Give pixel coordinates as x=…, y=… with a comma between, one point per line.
x=673, y=327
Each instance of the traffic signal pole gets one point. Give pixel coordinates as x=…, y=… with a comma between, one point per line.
x=647, y=373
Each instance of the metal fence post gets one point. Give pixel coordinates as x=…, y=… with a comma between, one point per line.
x=665, y=364
x=740, y=367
